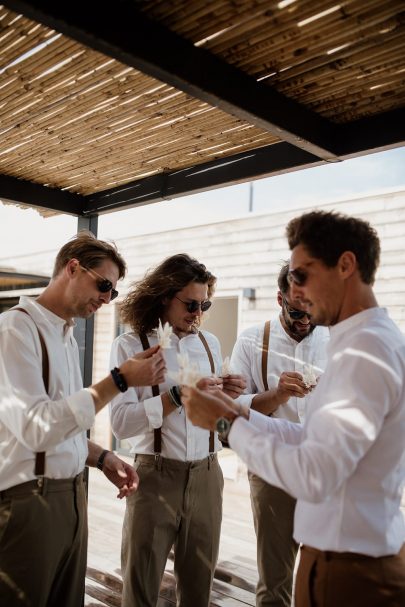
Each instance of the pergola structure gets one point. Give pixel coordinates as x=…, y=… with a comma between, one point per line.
x=104, y=107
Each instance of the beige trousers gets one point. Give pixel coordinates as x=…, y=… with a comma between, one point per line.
x=332, y=579
x=43, y=544
x=273, y=515
x=179, y=505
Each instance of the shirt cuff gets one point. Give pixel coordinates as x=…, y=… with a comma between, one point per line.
x=245, y=400
x=82, y=406
x=237, y=432
x=154, y=411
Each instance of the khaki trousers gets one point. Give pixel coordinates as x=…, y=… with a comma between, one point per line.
x=43, y=544
x=273, y=516
x=178, y=504
x=332, y=579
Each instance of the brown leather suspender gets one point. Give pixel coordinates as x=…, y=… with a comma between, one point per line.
x=157, y=433
x=265, y=352
x=212, y=365
x=39, y=469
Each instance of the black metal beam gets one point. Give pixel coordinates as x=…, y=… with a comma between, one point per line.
x=261, y=162
x=373, y=134
x=84, y=328
x=126, y=34
x=20, y=191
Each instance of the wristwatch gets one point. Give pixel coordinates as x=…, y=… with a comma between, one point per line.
x=223, y=426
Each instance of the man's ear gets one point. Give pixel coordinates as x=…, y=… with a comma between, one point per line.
x=347, y=264
x=72, y=267
x=279, y=299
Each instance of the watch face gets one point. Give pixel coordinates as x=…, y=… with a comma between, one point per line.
x=222, y=425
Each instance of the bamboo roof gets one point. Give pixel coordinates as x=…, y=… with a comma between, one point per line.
x=83, y=115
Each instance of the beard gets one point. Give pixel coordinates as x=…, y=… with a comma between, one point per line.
x=293, y=329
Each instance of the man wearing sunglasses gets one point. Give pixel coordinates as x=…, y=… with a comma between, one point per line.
x=179, y=503
x=44, y=415
x=284, y=346
x=346, y=464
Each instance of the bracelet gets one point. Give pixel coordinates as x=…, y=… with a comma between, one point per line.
x=174, y=395
x=100, y=461
x=119, y=380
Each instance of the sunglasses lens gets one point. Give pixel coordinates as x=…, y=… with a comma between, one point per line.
x=114, y=294
x=192, y=306
x=104, y=286
x=297, y=314
x=297, y=277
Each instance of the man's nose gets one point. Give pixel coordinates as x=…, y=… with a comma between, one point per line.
x=295, y=293
x=105, y=297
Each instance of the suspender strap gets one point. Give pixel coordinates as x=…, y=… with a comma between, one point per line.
x=157, y=432
x=265, y=352
x=212, y=365
x=39, y=469
x=145, y=345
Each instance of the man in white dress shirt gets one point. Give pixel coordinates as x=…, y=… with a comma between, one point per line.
x=179, y=503
x=275, y=358
x=44, y=415
x=346, y=464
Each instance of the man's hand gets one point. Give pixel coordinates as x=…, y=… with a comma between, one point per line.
x=204, y=408
x=145, y=369
x=234, y=385
x=209, y=384
x=290, y=384
x=121, y=474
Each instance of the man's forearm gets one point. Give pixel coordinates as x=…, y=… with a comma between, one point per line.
x=94, y=453
x=103, y=392
x=266, y=402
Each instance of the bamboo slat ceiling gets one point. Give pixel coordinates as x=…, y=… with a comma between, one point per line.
x=345, y=60
x=77, y=116
x=95, y=123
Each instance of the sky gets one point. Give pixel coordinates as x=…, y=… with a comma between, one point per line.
x=24, y=231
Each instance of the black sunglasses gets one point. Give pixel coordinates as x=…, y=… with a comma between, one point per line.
x=103, y=284
x=193, y=305
x=297, y=277
x=293, y=313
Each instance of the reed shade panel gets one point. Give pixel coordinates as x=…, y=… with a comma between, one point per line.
x=75, y=119
x=344, y=60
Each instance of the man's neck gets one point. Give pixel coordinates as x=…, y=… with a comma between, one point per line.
x=52, y=301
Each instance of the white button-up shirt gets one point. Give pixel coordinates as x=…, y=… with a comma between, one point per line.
x=346, y=465
x=285, y=354
x=135, y=413
x=30, y=420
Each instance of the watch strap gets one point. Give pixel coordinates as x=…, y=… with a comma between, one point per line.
x=119, y=380
x=100, y=461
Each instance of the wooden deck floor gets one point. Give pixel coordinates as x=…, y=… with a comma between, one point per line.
x=236, y=573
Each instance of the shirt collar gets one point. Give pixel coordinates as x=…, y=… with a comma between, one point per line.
x=42, y=315
x=357, y=319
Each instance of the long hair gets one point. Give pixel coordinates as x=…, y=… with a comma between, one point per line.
x=143, y=306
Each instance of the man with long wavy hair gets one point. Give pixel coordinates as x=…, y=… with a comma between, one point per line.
x=179, y=503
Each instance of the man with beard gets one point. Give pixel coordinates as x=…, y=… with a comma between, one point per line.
x=179, y=503
x=281, y=360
